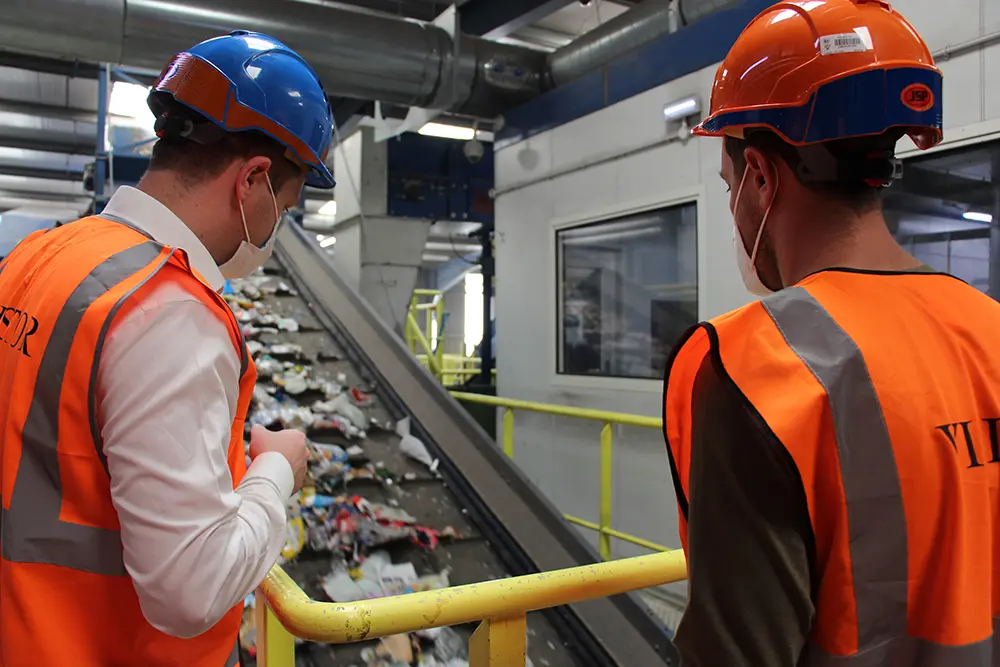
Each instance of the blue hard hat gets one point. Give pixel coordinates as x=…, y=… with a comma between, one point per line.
x=250, y=81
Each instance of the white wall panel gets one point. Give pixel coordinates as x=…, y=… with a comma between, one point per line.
x=943, y=23
x=963, y=90
x=989, y=83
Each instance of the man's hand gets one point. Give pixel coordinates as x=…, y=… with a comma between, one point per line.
x=289, y=443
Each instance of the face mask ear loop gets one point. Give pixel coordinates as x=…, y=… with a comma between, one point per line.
x=243, y=216
x=760, y=231
x=274, y=200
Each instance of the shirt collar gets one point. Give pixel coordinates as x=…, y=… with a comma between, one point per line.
x=149, y=215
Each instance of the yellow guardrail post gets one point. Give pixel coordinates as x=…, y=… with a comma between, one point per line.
x=439, y=335
x=508, y=432
x=275, y=644
x=606, y=485
x=410, y=341
x=501, y=643
x=432, y=362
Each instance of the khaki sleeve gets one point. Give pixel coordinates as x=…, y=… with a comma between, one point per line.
x=750, y=543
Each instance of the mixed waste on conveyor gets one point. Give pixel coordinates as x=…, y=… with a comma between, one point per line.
x=331, y=518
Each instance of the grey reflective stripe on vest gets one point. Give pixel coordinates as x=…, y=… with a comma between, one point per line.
x=234, y=657
x=95, y=431
x=125, y=223
x=31, y=529
x=875, y=513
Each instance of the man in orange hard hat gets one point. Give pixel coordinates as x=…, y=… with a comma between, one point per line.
x=834, y=445
x=132, y=527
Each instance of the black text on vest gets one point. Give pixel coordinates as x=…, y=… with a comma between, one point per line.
x=17, y=327
x=963, y=436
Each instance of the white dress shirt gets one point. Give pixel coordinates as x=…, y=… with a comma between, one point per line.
x=167, y=387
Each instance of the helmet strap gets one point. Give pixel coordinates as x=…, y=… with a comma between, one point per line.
x=818, y=164
x=174, y=126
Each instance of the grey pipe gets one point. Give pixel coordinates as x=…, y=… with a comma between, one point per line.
x=692, y=10
x=624, y=33
x=611, y=40
x=357, y=54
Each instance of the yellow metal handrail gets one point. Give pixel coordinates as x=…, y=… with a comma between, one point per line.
x=500, y=606
x=427, y=338
x=603, y=527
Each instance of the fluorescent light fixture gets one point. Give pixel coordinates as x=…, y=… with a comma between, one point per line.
x=447, y=131
x=612, y=236
x=128, y=99
x=978, y=217
x=328, y=241
x=329, y=208
x=431, y=257
x=681, y=109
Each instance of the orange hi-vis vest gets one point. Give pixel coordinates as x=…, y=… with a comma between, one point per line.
x=884, y=388
x=65, y=596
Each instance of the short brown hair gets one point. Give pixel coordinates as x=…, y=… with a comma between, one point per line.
x=855, y=193
x=195, y=162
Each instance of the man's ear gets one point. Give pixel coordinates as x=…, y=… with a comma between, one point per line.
x=763, y=173
x=248, y=172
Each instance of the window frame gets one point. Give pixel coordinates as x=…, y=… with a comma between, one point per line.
x=956, y=139
x=678, y=197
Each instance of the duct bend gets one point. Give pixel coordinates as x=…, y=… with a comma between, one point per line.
x=624, y=33
x=356, y=54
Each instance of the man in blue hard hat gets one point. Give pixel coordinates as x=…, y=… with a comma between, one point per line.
x=133, y=528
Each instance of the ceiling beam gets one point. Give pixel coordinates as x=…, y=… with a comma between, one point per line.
x=492, y=19
x=422, y=10
x=69, y=68
x=41, y=195
x=55, y=111
x=925, y=182
x=46, y=141
x=26, y=171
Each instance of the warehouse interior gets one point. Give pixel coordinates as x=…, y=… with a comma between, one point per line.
x=521, y=213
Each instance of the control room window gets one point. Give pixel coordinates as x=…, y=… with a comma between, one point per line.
x=627, y=291
x=946, y=209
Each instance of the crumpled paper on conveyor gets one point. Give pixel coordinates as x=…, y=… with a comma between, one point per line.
x=323, y=518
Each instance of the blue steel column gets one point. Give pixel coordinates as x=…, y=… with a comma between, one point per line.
x=101, y=156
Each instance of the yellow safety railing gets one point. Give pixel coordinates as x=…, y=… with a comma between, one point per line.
x=427, y=338
x=608, y=419
x=283, y=611
x=453, y=368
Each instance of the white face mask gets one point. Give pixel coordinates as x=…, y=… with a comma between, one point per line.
x=748, y=263
x=248, y=257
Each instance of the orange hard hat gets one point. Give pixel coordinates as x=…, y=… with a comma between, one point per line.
x=821, y=70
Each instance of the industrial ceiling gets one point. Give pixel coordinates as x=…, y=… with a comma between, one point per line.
x=470, y=61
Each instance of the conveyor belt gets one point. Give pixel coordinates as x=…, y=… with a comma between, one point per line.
x=520, y=530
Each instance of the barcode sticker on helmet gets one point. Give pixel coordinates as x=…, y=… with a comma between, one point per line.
x=847, y=42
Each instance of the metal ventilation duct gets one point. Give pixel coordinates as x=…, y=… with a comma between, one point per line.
x=692, y=10
x=356, y=54
x=624, y=33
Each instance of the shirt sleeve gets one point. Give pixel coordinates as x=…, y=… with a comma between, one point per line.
x=750, y=542
x=168, y=384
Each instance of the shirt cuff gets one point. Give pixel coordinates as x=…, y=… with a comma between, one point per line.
x=274, y=467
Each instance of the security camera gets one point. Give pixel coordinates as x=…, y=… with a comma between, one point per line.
x=474, y=150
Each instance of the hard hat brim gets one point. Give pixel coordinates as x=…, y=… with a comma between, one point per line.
x=320, y=177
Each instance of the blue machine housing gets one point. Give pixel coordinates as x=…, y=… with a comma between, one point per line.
x=431, y=178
